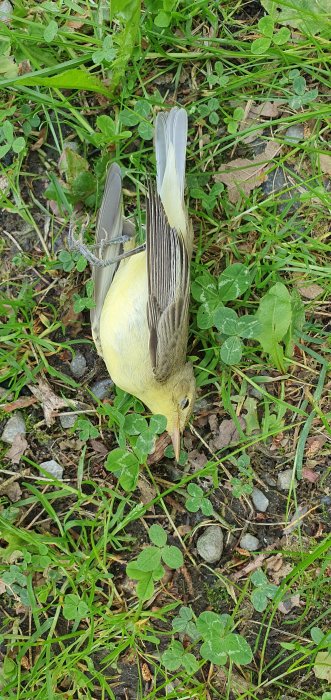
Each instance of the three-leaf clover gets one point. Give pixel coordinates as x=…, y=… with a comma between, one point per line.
x=140, y=115
x=148, y=567
x=17, y=144
x=219, y=643
x=263, y=592
x=176, y=656
x=74, y=608
x=198, y=501
x=106, y=53
x=266, y=26
x=86, y=429
x=228, y=322
x=184, y=623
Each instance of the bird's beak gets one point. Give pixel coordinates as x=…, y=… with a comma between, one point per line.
x=175, y=438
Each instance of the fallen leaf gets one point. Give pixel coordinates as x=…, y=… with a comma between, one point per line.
x=325, y=163
x=40, y=141
x=49, y=401
x=161, y=443
x=99, y=447
x=145, y=672
x=197, y=459
x=322, y=666
x=288, y=604
x=23, y=402
x=227, y=433
x=242, y=174
x=277, y=568
x=17, y=449
x=314, y=444
x=147, y=490
x=2, y=587
x=14, y=492
x=310, y=475
x=252, y=117
x=311, y=291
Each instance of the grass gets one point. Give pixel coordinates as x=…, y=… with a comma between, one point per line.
x=79, y=89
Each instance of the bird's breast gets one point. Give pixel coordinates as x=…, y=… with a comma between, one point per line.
x=124, y=332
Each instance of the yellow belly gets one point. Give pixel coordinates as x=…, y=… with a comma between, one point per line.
x=124, y=333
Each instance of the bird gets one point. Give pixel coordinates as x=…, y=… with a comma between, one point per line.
x=140, y=319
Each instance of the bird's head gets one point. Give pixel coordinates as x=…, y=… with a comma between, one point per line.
x=174, y=399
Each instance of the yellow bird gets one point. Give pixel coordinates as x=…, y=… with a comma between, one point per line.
x=140, y=319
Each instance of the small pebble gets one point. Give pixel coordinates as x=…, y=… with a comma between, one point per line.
x=102, y=388
x=78, y=365
x=68, y=420
x=270, y=481
x=326, y=500
x=295, y=134
x=285, y=480
x=260, y=501
x=210, y=544
x=249, y=542
x=6, y=11
x=53, y=468
x=14, y=426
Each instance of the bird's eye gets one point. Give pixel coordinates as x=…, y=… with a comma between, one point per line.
x=184, y=403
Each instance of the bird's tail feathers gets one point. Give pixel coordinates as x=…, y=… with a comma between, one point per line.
x=170, y=151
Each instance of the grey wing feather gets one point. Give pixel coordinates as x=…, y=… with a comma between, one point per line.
x=109, y=226
x=168, y=291
x=171, y=127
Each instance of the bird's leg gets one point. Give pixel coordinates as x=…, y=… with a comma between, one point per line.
x=76, y=243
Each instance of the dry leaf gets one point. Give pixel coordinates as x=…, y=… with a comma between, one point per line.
x=14, y=492
x=146, y=674
x=252, y=116
x=40, y=141
x=322, y=666
x=49, y=401
x=310, y=475
x=147, y=490
x=325, y=163
x=288, y=604
x=99, y=447
x=242, y=174
x=161, y=443
x=315, y=444
x=227, y=433
x=17, y=449
x=311, y=291
x=2, y=587
x=277, y=568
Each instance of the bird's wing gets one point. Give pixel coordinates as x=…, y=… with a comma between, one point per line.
x=110, y=225
x=170, y=151
x=168, y=291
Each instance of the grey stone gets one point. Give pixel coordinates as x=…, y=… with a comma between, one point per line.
x=78, y=365
x=53, y=468
x=210, y=544
x=14, y=426
x=6, y=11
x=260, y=501
x=285, y=480
x=68, y=420
x=249, y=542
x=102, y=388
x=295, y=133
